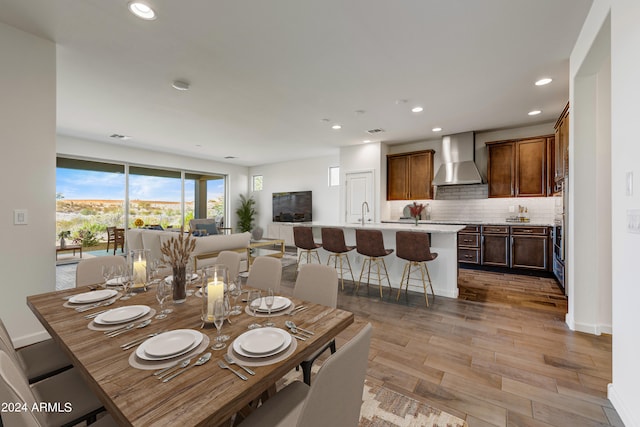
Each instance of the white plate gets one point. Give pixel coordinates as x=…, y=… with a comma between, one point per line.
x=122, y=314
x=261, y=339
x=169, y=279
x=170, y=343
x=141, y=350
x=93, y=296
x=115, y=282
x=279, y=303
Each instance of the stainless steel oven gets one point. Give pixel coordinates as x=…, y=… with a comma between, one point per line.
x=559, y=239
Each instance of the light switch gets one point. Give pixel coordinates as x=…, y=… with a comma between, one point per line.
x=20, y=217
x=629, y=183
x=633, y=221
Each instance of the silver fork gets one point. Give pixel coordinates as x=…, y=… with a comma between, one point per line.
x=230, y=361
x=224, y=366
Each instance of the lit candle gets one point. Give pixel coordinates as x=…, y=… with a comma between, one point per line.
x=215, y=290
x=139, y=272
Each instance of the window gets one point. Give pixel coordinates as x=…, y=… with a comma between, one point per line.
x=334, y=176
x=257, y=182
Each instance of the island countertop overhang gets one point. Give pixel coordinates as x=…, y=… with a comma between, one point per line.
x=423, y=228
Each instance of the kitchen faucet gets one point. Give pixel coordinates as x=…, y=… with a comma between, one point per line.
x=363, y=205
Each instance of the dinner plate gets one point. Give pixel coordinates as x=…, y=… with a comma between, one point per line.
x=169, y=279
x=142, y=353
x=279, y=303
x=122, y=314
x=169, y=343
x=262, y=342
x=116, y=281
x=93, y=296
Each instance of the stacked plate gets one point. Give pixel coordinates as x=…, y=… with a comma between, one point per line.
x=169, y=345
x=116, y=281
x=263, y=342
x=119, y=315
x=279, y=304
x=169, y=279
x=93, y=296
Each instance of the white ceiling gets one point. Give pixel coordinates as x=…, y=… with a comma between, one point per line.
x=264, y=73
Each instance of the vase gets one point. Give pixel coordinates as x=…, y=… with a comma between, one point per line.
x=63, y=243
x=416, y=219
x=179, y=284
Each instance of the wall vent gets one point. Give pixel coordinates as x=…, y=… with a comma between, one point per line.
x=374, y=131
x=118, y=136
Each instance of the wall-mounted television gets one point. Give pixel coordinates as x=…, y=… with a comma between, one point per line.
x=292, y=206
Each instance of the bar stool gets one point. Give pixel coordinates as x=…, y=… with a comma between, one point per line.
x=414, y=248
x=371, y=244
x=333, y=242
x=303, y=239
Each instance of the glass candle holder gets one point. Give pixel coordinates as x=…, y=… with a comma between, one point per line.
x=215, y=280
x=140, y=267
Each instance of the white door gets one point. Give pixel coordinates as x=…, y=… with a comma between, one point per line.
x=359, y=189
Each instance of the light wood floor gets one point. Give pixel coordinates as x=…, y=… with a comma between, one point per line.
x=499, y=355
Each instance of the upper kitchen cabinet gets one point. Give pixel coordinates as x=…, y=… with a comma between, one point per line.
x=518, y=168
x=409, y=175
x=561, y=154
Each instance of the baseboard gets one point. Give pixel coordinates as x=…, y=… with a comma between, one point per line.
x=29, y=339
x=587, y=328
x=626, y=415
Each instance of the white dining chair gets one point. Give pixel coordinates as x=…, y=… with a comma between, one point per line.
x=265, y=273
x=317, y=283
x=231, y=260
x=38, y=360
x=334, y=398
x=76, y=403
x=89, y=270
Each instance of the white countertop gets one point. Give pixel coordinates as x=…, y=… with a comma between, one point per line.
x=423, y=227
x=471, y=222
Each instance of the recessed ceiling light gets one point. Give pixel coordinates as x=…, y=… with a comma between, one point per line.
x=142, y=10
x=417, y=109
x=534, y=112
x=544, y=81
x=436, y=129
x=366, y=141
x=180, y=85
x=336, y=127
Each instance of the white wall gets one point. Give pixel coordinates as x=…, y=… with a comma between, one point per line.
x=623, y=16
x=27, y=132
x=363, y=158
x=237, y=176
x=299, y=175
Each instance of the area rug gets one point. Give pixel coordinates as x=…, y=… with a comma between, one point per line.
x=382, y=407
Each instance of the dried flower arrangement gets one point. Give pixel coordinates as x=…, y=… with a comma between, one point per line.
x=177, y=251
x=416, y=209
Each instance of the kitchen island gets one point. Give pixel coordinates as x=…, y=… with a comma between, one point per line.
x=444, y=241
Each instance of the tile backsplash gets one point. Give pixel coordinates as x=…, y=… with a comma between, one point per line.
x=541, y=209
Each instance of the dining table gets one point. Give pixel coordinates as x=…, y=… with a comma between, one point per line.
x=201, y=395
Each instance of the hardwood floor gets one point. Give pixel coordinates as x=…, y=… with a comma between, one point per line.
x=499, y=355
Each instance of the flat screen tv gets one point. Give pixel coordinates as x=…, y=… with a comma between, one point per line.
x=292, y=206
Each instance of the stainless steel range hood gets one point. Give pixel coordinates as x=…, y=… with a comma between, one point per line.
x=458, y=165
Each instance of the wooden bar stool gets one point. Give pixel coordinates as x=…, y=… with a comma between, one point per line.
x=414, y=248
x=371, y=244
x=303, y=239
x=333, y=242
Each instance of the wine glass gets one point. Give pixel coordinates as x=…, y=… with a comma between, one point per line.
x=236, y=291
x=268, y=300
x=189, y=274
x=162, y=294
x=125, y=282
x=255, y=300
x=218, y=320
x=107, y=273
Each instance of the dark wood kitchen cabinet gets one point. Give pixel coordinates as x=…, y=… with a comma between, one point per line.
x=469, y=251
x=561, y=149
x=410, y=175
x=501, y=169
x=530, y=247
x=495, y=245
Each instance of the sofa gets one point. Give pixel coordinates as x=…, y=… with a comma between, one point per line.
x=206, y=250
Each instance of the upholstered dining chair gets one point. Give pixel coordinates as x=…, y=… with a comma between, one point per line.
x=77, y=402
x=303, y=239
x=334, y=399
x=414, y=248
x=265, y=273
x=37, y=361
x=334, y=243
x=89, y=270
x=370, y=243
x=231, y=260
x=316, y=283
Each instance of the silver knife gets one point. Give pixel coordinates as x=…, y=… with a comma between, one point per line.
x=201, y=361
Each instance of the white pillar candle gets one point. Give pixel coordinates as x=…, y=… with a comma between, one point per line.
x=215, y=290
x=139, y=272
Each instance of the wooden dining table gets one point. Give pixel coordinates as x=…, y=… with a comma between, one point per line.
x=203, y=395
